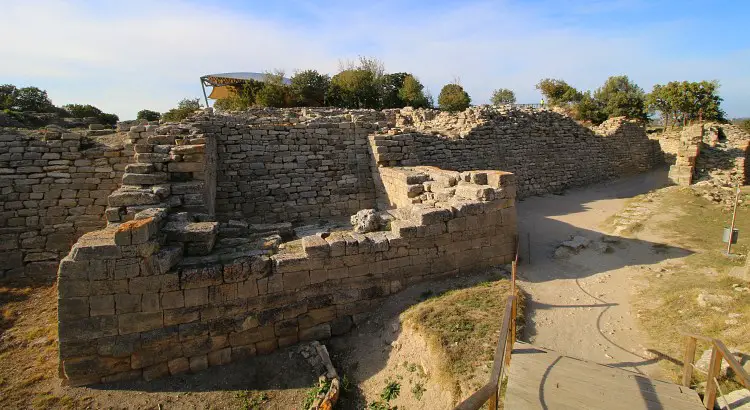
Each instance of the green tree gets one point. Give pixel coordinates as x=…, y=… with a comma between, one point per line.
x=309, y=88
x=686, y=101
x=82, y=110
x=8, y=94
x=389, y=87
x=589, y=109
x=412, y=93
x=503, y=96
x=274, y=92
x=32, y=99
x=108, y=119
x=354, y=89
x=453, y=98
x=88, y=110
x=558, y=92
x=184, y=109
x=148, y=115
x=619, y=97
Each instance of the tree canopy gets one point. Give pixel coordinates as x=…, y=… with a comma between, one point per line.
x=619, y=97
x=686, y=101
x=361, y=83
x=453, y=98
x=309, y=88
x=185, y=107
x=148, y=115
x=558, y=92
x=503, y=96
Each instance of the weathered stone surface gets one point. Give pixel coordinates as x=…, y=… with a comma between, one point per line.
x=366, y=220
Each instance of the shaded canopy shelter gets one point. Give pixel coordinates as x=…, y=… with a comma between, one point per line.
x=221, y=83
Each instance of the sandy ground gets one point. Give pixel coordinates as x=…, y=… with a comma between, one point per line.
x=579, y=306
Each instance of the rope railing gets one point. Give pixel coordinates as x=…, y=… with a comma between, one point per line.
x=719, y=353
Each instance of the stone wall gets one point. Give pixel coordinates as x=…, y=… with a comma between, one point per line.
x=189, y=272
x=547, y=152
x=163, y=290
x=306, y=164
x=53, y=188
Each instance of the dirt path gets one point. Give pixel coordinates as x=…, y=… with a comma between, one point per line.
x=580, y=306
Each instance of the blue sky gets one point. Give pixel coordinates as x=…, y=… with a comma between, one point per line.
x=123, y=56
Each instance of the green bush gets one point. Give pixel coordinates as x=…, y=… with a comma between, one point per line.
x=503, y=96
x=148, y=115
x=184, y=109
x=453, y=98
x=412, y=93
x=558, y=92
x=619, y=97
x=309, y=88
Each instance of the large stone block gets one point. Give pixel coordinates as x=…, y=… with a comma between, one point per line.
x=139, y=322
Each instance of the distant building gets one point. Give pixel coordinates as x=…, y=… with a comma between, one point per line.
x=221, y=84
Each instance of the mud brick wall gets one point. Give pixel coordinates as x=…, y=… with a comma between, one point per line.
x=547, y=152
x=53, y=188
x=289, y=172
x=134, y=304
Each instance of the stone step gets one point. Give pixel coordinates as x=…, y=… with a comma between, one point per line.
x=199, y=237
x=139, y=168
x=145, y=179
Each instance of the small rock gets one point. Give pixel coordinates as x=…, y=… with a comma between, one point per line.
x=366, y=220
x=577, y=242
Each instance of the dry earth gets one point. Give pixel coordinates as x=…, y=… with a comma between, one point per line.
x=580, y=306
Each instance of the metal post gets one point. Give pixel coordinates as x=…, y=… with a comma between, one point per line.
x=734, y=215
x=203, y=86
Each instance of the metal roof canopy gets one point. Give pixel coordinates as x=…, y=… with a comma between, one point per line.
x=224, y=79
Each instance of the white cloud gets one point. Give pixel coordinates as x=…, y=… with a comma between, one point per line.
x=144, y=54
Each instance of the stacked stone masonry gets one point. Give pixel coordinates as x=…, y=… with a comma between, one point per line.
x=53, y=188
x=184, y=276
x=548, y=152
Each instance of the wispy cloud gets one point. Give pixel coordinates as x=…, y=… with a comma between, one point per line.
x=126, y=56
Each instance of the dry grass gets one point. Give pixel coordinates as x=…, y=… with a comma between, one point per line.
x=28, y=347
x=670, y=304
x=462, y=327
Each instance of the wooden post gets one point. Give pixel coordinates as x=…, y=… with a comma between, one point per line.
x=493, y=399
x=688, y=359
x=734, y=215
x=713, y=373
x=528, y=244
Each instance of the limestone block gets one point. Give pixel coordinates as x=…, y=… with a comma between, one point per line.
x=87, y=328
x=178, y=365
x=319, y=332
x=186, y=167
x=139, y=322
x=72, y=308
x=296, y=280
x=198, y=363
x=315, y=246
x=201, y=276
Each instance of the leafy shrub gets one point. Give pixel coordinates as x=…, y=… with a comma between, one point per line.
x=148, y=115
x=503, y=96
x=453, y=98
x=412, y=93
x=558, y=92
x=309, y=88
x=184, y=109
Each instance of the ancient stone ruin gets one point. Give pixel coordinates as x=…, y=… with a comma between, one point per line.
x=230, y=235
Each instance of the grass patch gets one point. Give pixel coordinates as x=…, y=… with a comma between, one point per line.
x=251, y=400
x=462, y=326
x=670, y=302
